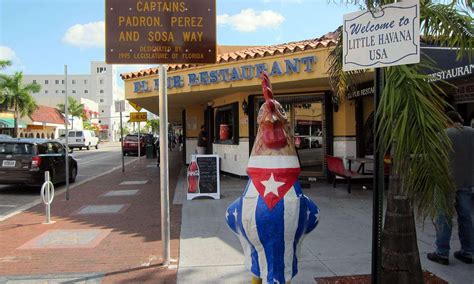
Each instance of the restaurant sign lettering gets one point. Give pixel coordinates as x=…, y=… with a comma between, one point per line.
x=157, y=32
x=385, y=37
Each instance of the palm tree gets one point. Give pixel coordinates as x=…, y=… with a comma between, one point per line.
x=16, y=96
x=411, y=121
x=75, y=109
x=5, y=63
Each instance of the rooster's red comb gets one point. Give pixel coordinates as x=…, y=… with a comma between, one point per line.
x=266, y=86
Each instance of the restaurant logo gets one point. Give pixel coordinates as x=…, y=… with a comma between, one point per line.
x=244, y=72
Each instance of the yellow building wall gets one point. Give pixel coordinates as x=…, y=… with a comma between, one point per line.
x=6, y=115
x=194, y=120
x=344, y=123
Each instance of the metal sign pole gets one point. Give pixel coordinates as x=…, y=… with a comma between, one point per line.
x=121, y=138
x=164, y=172
x=139, y=142
x=66, y=113
x=377, y=209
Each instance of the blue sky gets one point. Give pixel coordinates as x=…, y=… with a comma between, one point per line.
x=40, y=36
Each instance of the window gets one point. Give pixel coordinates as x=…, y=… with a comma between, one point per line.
x=101, y=81
x=57, y=92
x=46, y=92
x=63, y=91
x=73, y=91
x=86, y=91
x=101, y=100
x=57, y=82
x=102, y=111
x=101, y=69
x=227, y=117
x=101, y=91
x=85, y=82
x=34, y=81
x=46, y=82
x=73, y=82
x=62, y=82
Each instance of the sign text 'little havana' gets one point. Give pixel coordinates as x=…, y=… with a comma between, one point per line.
x=151, y=31
x=382, y=38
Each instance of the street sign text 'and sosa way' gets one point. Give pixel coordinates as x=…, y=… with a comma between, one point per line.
x=386, y=37
x=157, y=32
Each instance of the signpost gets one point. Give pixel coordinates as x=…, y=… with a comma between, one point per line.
x=66, y=114
x=372, y=39
x=165, y=32
x=135, y=106
x=138, y=117
x=161, y=32
x=120, y=107
x=386, y=37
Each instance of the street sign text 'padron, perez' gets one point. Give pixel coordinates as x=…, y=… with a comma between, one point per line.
x=157, y=32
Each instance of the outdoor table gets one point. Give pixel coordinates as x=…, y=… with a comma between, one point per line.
x=361, y=161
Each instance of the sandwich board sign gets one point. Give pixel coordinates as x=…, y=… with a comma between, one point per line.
x=381, y=38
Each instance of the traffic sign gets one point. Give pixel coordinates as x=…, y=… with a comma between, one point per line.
x=135, y=106
x=138, y=117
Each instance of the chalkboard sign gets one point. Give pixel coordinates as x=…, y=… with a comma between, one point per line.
x=203, y=177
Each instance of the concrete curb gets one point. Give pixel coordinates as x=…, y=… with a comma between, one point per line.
x=60, y=192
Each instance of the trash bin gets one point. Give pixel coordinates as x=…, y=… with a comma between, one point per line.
x=150, y=151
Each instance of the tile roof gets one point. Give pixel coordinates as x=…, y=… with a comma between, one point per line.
x=326, y=40
x=48, y=115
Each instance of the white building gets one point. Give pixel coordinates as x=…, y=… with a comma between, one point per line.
x=98, y=86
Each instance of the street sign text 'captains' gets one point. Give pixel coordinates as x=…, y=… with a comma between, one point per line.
x=160, y=32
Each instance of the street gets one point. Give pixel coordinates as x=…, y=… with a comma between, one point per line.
x=91, y=164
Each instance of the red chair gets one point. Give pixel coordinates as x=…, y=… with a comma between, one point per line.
x=336, y=168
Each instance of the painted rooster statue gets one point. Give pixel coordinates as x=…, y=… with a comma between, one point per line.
x=273, y=215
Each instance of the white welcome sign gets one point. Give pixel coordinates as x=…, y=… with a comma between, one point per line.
x=386, y=37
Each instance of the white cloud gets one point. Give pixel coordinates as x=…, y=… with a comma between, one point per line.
x=249, y=20
x=86, y=35
x=7, y=53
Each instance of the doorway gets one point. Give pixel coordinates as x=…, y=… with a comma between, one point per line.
x=306, y=119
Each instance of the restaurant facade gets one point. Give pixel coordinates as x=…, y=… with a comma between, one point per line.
x=225, y=97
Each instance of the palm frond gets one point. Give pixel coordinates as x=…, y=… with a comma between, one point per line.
x=412, y=119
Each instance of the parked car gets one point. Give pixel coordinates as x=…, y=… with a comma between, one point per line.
x=82, y=139
x=130, y=144
x=4, y=136
x=24, y=161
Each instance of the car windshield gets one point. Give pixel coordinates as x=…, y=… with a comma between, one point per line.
x=16, y=149
x=131, y=137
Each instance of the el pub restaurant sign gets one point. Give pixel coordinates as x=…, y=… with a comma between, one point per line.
x=386, y=37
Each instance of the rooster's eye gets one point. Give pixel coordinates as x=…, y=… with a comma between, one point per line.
x=282, y=111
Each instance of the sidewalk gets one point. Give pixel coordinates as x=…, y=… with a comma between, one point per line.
x=340, y=245
x=105, y=233
x=121, y=242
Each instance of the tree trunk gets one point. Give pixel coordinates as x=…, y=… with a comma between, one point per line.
x=400, y=255
x=15, y=122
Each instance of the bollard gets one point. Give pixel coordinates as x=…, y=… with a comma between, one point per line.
x=47, y=196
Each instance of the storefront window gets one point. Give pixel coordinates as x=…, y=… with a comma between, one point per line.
x=227, y=124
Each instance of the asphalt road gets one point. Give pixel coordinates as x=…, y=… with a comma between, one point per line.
x=91, y=163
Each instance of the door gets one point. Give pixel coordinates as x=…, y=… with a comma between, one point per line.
x=57, y=155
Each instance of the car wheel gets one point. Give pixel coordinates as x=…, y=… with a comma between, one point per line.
x=73, y=174
x=88, y=147
x=97, y=146
x=124, y=153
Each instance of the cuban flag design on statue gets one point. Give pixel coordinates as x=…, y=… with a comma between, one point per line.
x=272, y=217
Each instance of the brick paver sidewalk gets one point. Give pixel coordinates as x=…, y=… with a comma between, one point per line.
x=106, y=232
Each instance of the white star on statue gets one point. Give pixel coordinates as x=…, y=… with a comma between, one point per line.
x=271, y=186
x=235, y=213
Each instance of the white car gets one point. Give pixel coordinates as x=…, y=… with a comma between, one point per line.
x=81, y=139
